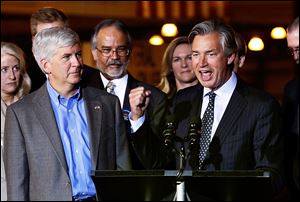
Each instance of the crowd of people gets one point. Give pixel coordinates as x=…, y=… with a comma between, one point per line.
x=77, y=118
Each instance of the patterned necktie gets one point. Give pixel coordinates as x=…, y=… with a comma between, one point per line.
x=207, y=122
x=110, y=87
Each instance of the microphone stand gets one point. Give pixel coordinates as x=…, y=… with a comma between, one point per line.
x=180, y=184
x=193, y=138
x=170, y=138
x=181, y=194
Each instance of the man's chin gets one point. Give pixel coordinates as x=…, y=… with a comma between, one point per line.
x=115, y=75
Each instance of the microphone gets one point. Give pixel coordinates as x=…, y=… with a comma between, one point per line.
x=194, y=145
x=169, y=131
x=194, y=131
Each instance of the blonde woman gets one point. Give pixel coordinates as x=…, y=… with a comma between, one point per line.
x=176, y=71
x=15, y=83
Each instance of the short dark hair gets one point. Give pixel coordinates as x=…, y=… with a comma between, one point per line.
x=46, y=15
x=241, y=44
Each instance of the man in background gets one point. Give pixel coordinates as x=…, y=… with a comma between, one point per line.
x=291, y=115
x=43, y=18
x=240, y=57
x=142, y=104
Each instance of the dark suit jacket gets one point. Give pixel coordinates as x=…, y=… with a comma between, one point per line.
x=185, y=105
x=35, y=163
x=155, y=112
x=291, y=134
x=248, y=136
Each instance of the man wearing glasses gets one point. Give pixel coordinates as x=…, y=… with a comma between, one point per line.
x=143, y=105
x=291, y=115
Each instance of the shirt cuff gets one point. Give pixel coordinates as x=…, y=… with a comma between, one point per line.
x=135, y=125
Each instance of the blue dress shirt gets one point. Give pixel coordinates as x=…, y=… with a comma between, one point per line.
x=72, y=123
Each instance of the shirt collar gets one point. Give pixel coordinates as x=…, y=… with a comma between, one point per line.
x=119, y=81
x=56, y=97
x=227, y=88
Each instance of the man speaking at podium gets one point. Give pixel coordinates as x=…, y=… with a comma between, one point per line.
x=240, y=124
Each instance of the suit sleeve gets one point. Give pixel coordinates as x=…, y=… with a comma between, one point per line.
x=15, y=160
x=268, y=142
x=147, y=140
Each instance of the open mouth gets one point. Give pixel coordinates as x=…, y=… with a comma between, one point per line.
x=206, y=75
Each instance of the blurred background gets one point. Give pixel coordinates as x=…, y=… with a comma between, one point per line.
x=269, y=69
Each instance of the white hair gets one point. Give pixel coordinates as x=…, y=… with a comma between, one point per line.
x=47, y=41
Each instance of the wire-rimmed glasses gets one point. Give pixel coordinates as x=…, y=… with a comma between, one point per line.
x=121, y=51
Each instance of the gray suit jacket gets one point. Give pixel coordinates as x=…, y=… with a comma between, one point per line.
x=35, y=162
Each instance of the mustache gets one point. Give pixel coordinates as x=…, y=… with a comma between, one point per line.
x=115, y=62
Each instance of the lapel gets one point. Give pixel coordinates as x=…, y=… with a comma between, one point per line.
x=46, y=117
x=196, y=97
x=186, y=105
x=235, y=107
x=98, y=83
x=94, y=112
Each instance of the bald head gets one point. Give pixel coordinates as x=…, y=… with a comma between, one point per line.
x=293, y=39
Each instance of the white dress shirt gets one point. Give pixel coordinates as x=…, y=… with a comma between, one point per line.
x=120, y=88
x=223, y=95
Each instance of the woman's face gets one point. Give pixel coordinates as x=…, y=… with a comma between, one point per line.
x=10, y=74
x=182, y=64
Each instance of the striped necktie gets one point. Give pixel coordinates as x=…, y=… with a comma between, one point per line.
x=110, y=87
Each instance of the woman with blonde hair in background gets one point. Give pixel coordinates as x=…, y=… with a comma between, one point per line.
x=176, y=71
x=15, y=83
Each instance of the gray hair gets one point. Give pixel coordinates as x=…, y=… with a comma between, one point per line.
x=110, y=23
x=47, y=41
x=227, y=34
x=12, y=49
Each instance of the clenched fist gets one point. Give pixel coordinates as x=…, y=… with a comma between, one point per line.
x=139, y=100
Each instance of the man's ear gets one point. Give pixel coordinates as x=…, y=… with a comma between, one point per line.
x=242, y=61
x=94, y=53
x=46, y=66
x=230, y=58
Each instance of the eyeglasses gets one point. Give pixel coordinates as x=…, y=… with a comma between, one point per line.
x=293, y=51
x=121, y=51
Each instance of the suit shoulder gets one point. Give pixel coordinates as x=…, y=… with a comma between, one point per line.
x=24, y=103
x=291, y=89
x=255, y=94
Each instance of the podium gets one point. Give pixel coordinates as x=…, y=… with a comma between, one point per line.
x=153, y=185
